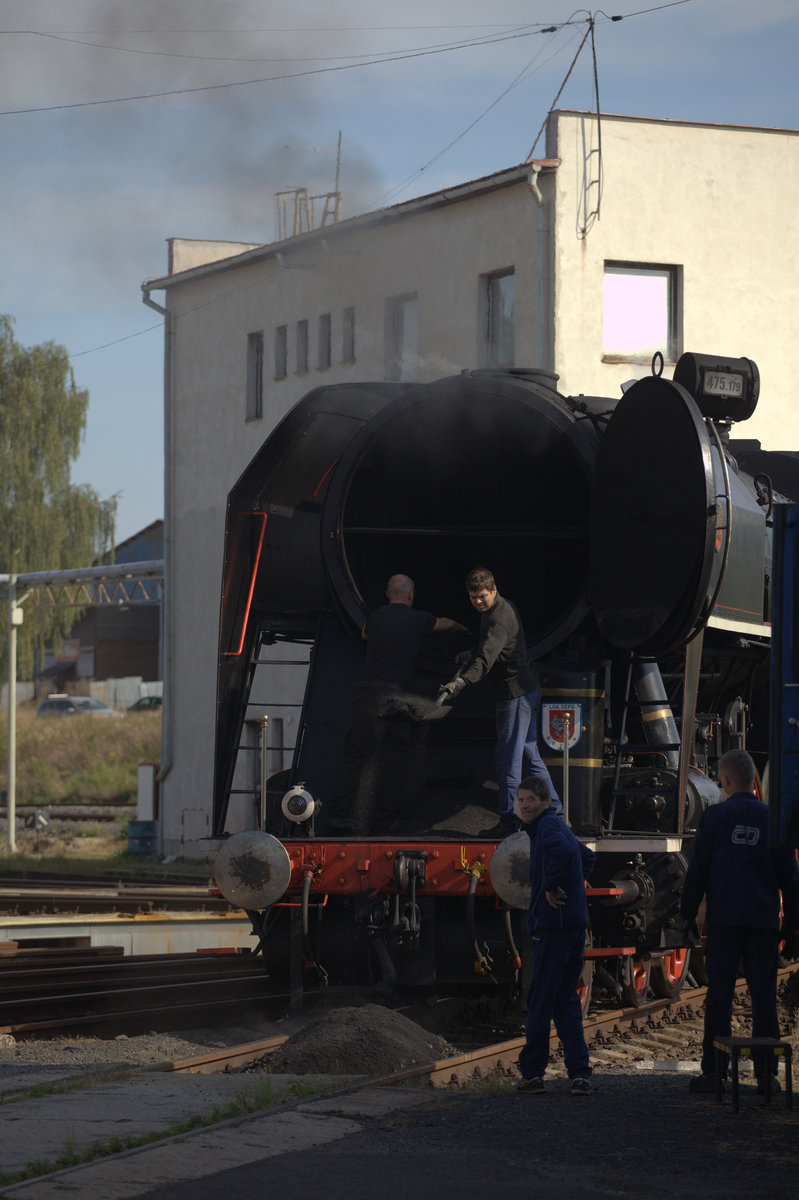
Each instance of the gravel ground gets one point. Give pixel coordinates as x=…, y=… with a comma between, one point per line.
x=142, y=1050
x=367, y=1040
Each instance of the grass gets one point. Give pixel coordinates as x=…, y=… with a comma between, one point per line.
x=80, y=759
x=253, y=1099
x=72, y=1085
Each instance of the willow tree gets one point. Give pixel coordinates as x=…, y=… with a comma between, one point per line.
x=46, y=522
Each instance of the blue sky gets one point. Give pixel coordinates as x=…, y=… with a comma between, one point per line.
x=92, y=190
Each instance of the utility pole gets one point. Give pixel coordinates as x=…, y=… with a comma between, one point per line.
x=14, y=619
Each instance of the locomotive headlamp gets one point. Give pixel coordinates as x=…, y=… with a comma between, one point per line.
x=298, y=805
x=726, y=389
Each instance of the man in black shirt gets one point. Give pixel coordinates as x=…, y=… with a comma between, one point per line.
x=501, y=657
x=377, y=746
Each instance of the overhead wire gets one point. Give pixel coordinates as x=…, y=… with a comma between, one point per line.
x=211, y=87
x=387, y=196
x=485, y=39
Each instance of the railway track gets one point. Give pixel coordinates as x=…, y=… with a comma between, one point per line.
x=51, y=895
x=101, y=992
x=661, y=1029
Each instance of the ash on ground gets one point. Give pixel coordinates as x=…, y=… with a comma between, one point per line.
x=369, y=1040
x=136, y=1050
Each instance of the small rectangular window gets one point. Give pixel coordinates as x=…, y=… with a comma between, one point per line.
x=641, y=306
x=281, y=351
x=402, y=338
x=323, y=359
x=500, y=304
x=255, y=376
x=348, y=335
x=302, y=347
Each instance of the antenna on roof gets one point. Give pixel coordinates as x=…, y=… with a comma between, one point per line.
x=295, y=206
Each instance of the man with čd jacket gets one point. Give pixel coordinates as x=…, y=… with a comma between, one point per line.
x=742, y=877
x=557, y=920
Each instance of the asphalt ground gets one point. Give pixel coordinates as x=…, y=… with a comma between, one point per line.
x=639, y=1134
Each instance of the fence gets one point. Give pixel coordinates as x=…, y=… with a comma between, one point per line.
x=121, y=693
x=24, y=692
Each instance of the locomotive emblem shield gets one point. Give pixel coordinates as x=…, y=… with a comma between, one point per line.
x=553, y=724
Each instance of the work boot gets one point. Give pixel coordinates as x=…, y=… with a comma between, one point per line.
x=533, y=1086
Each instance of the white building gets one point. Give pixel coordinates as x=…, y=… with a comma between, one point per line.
x=633, y=237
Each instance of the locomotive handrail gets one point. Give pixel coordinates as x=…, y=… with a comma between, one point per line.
x=245, y=618
x=728, y=501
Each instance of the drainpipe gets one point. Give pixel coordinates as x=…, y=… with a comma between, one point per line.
x=166, y=607
x=543, y=350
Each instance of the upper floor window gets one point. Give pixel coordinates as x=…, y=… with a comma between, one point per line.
x=642, y=312
x=500, y=318
x=281, y=351
x=302, y=347
x=324, y=341
x=255, y=375
x=348, y=335
x=402, y=338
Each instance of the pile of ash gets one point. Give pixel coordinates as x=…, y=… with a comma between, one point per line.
x=369, y=1040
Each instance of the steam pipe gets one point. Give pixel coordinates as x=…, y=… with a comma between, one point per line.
x=660, y=728
x=517, y=961
x=482, y=964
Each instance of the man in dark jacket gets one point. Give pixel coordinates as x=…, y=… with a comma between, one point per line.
x=557, y=920
x=741, y=876
x=377, y=746
x=501, y=658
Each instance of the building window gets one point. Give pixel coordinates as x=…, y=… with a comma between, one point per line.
x=324, y=341
x=348, y=335
x=281, y=352
x=302, y=347
x=642, y=310
x=402, y=338
x=499, y=298
x=255, y=376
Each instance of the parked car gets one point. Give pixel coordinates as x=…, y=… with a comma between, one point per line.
x=62, y=705
x=145, y=704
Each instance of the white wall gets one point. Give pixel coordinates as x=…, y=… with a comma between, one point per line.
x=718, y=201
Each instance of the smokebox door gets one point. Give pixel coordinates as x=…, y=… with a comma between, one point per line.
x=653, y=520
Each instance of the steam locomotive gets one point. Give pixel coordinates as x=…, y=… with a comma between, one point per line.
x=637, y=548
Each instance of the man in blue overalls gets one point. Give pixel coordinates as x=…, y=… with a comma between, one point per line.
x=742, y=876
x=557, y=921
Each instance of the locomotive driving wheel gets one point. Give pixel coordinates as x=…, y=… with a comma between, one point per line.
x=668, y=974
x=634, y=981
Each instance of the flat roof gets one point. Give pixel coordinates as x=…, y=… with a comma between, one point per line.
x=508, y=177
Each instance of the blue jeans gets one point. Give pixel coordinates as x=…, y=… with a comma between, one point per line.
x=557, y=963
x=756, y=949
x=517, y=752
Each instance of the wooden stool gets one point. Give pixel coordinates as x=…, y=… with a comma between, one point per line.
x=738, y=1048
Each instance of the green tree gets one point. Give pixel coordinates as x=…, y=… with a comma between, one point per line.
x=47, y=523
